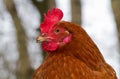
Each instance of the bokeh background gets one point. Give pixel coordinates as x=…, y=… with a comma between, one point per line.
x=20, y=55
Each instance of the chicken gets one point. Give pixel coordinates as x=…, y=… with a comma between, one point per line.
x=71, y=53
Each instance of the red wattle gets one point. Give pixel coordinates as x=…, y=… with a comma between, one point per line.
x=51, y=46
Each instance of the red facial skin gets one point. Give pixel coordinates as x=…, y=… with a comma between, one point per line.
x=56, y=37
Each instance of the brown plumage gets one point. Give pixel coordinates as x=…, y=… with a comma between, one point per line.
x=78, y=59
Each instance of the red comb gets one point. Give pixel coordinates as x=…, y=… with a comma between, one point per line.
x=50, y=19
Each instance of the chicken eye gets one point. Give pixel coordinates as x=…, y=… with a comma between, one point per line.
x=57, y=30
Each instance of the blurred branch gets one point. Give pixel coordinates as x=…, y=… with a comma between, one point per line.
x=42, y=7
x=76, y=11
x=116, y=10
x=51, y=4
x=24, y=69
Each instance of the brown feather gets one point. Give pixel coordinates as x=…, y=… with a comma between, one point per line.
x=79, y=59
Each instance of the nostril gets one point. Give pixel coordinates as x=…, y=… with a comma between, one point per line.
x=43, y=34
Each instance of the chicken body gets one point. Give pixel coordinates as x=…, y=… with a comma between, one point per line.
x=78, y=59
x=68, y=67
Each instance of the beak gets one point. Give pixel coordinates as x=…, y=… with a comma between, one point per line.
x=41, y=39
